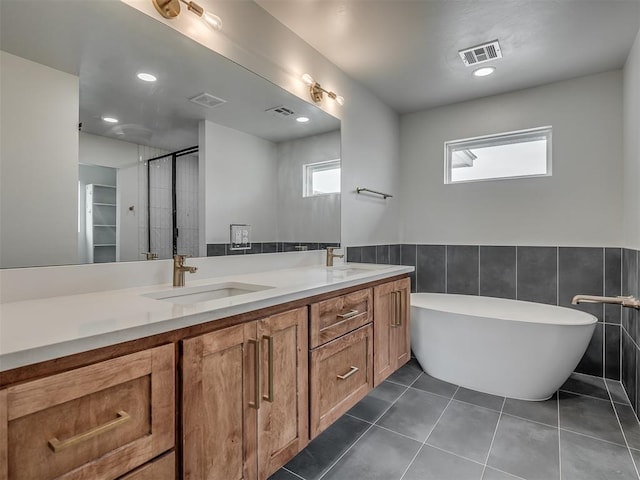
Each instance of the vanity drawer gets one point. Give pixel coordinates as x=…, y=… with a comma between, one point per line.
x=341, y=375
x=164, y=468
x=337, y=316
x=95, y=422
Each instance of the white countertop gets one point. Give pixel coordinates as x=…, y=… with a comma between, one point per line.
x=36, y=330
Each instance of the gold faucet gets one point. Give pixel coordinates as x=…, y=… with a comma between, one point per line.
x=331, y=256
x=179, y=268
x=629, y=302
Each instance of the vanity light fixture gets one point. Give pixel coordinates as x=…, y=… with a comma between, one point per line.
x=146, y=77
x=302, y=119
x=171, y=9
x=110, y=119
x=484, y=71
x=317, y=91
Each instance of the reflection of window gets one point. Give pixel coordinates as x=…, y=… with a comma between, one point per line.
x=526, y=153
x=321, y=178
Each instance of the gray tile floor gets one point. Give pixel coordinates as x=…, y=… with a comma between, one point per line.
x=415, y=427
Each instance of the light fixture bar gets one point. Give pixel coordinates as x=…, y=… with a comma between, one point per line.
x=316, y=91
x=171, y=9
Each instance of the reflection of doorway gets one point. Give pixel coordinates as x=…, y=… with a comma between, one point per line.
x=96, y=214
x=172, y=203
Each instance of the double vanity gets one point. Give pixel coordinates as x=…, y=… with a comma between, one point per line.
x=226, y=378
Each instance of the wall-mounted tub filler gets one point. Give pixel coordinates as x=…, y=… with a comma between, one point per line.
x=629, y=302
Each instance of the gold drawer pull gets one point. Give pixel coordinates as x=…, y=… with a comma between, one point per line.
x=351, y=371
x=57, y=445
x=349, y=314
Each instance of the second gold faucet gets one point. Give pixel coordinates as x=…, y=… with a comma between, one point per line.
x=331, y=256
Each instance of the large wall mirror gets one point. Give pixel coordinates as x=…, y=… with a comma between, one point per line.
x=98, y=165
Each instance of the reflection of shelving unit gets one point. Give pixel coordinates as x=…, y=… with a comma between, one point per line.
x=101, y=223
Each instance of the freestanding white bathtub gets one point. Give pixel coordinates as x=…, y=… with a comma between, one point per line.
x=504, y=347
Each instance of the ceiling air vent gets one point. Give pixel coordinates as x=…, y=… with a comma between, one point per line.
x=280, y=111
x=207, y=100
x=481, y=53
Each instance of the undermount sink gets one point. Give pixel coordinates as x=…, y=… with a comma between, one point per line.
x=353, y=270
x=205, y=293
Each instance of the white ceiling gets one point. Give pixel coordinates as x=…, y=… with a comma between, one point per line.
x=406, y=51
x=106, y=43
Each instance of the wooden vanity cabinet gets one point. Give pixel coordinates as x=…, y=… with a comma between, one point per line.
x=245, y=398
x=391, y=333
x=96, y=422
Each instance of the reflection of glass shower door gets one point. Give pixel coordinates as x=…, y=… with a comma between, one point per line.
x=160, y=208
x=173, y=203
x=187, y=205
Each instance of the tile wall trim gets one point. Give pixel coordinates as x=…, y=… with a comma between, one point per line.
x=223, y=249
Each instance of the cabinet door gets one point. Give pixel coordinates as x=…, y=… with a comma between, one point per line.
x=219, y=404
x=392, y=343
x=283, y=417
x=400, y=331
x=384, y=312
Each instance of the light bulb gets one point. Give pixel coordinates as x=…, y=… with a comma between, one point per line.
x=212, y=20
x=308, y=79
x=146, y=77
x=484, y=71
x=302, y=119
x=340, y=100
x=110, y=119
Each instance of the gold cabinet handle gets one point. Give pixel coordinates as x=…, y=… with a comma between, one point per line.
x=256, y=365
x=396, y=307
x=269, y=339
x=58, y=445
x=351, y=371
x=349, y=314
x=400, y=309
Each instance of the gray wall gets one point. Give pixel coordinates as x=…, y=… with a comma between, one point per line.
x=238, y=182
x=39, y=164
x=580, y=204
x=632, y=147
x=306, y=219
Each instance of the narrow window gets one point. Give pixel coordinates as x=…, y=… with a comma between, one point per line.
x=321, y=178
x=525, y=153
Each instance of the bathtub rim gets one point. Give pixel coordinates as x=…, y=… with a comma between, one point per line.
x=577, y=317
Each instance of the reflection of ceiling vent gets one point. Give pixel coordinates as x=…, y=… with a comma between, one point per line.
x=280, y=111
x=207, y=100
x=481, y=53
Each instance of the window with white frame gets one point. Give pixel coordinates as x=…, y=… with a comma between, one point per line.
x=321, y=178
x=525, y=153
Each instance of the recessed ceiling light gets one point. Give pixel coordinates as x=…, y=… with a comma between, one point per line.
x=302, y=119
x=484, y=71
x=110, y=119
x=146, y=77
